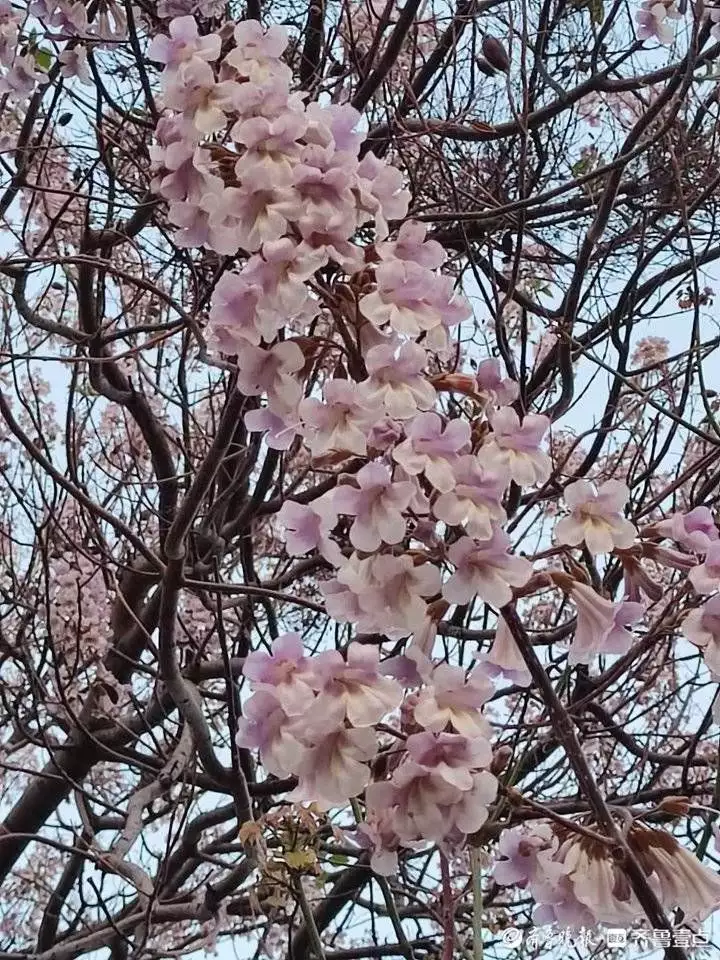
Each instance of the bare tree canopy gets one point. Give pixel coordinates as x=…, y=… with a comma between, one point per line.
x=359, y=546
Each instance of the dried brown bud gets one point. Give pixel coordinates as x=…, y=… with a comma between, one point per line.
x=501, y=759
x=495, y=54
x=676, y=806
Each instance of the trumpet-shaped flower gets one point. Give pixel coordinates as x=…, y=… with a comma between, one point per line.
x=485, y=568
x=451, y=698
x=354, y=687
x=432, y=449
x=284, y=672
x=515, y=446
x=601, y=624
x=377, y=506
x=475, y=500
x=308, y=527
x=596, y=517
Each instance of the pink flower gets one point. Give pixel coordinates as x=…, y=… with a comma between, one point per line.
x=413, y=300
x=334, y=768
x=20, y=80
x=432, y=449
x=475, y=501
x=527, y=853
x=403, y=299
x=584, y=884
x=395, y=600
x=339, y=423
x=516, y=447
x=684, y=881
x=381, y=193
x=256, y=303
x=75, y=64
x=257, y=51
x=410, y=669
x=268, y=99
x=284, y=673
x=233, y=309
x=271, y=151
x=412, y=245
x=333, y=245
x=282, y=268
x=505, y=658
x=702, y=627
x=383, y=434
x=595, y=883
x=266, y=727
x=183, y=169
x=417, y=802
x=259, y=213
x=397, y=380
x=377, y=507
x=193, y=90
x=323, y=181
x=601, y=624
x=342, y=594
x=353, y=687
x=308, y=527
x=380, y=839
x=453, y=699
x=421, y=805
x=280, y=433
x=202, y=222
x=596, y=517
x=470, y=810
x=183, y=44
x=449, y=755
x=333, y=126
x=486, y=569
x=270, y=371
x=651, y=20
x=490, y=381
x=706, y=577
x=694, y=531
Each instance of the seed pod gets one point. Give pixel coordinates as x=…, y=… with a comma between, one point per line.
x=495, y=54
x=485, y=67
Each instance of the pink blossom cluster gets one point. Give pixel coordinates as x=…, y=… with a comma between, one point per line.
x=317, y=718
x=697, y=533
x=576, y=882
x=253, y=171
x=19, y=72
x=287, y=194
x=64, y=21
x=79, y=608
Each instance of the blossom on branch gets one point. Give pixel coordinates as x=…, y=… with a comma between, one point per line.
x=485, y=568
x=515, y=446
x=596, y=517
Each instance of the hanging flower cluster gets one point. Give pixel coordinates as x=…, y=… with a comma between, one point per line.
x=287, y=193
x=696, y=531
x=576, y=882
x=317, y=718
x=340, y=331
